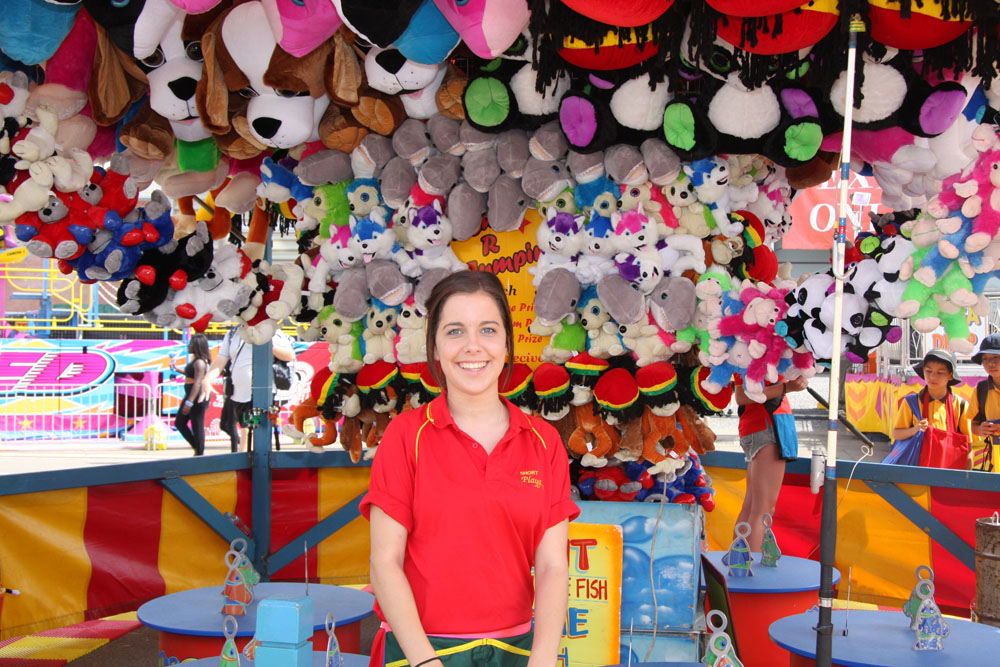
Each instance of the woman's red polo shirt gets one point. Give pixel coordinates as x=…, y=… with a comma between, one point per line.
x=474, y=520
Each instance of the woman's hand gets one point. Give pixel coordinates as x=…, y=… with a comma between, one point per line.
x=922, y=425
x=185, y=408
x=798, y=384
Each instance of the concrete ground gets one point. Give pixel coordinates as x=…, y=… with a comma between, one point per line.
x=23, y=457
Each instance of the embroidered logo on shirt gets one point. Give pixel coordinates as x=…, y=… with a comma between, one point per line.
x=531, y=477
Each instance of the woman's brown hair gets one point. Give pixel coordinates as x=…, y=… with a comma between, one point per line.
x=466, y=282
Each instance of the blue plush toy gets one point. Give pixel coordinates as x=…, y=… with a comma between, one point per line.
x=32, y=30
x=600, y=194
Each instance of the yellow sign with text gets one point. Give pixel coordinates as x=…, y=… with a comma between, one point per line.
x=592, y=635
x=508, y=255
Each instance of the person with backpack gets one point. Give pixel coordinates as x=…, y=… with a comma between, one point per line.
x=237, y=355
x=940, y=418
x=985, y=407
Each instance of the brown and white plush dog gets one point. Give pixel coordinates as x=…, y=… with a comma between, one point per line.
x=283, y=97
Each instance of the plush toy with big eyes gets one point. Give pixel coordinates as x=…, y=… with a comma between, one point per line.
x=560, y=239
x=344, y=338
x=430, y=236
x=654, y=204
x=603, y=338
x=597, y=255
x=411, y=342
x=379, y=332
x=688, y=211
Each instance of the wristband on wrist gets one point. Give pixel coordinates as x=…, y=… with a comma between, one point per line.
x=188, y=403
x=427, y=661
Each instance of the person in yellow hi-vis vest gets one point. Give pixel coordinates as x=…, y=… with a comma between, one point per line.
x=985, y=408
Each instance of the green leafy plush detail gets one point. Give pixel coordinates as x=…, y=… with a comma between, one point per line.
x=678, y=126
x=487, y=101
x=879, y=320
x=802, y=141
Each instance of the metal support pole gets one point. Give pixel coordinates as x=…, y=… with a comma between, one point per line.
x=828, y=521
x=260, y=456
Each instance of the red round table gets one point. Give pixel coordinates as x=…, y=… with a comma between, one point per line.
x=190, y=622
x=771, y=593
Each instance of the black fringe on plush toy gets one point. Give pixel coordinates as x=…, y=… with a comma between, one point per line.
x=689, y=391
x=551, y=404
x=552, y=22
x=394, y=389
x=622, y=416
x=331, y=404
x=975, y=51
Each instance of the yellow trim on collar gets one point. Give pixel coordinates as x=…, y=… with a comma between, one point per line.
x=416, y=441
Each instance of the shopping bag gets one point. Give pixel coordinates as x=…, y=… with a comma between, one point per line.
x=906, y=452
x=944, y=448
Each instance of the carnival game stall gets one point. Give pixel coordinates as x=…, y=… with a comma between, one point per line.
x=627, y=170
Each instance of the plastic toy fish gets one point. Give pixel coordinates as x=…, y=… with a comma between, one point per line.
x=229, y=656
x=931, y=628
x=769, y=547
x=333, y=655
x=236, y=593
x=739, y=558
x=912, y=605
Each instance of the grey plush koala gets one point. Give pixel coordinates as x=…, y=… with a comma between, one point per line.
x=371, y=155
x=585, y=167
x=412, y=141
x=396, y=181
x=512, y=152
x=661, y=161
x=480, y=169
x=466, y=208
x=672, y=303
x=543, y=180
x=506, y=204
x=322, y=167
x=623, y=163
x=439, y=174
x=445, y=134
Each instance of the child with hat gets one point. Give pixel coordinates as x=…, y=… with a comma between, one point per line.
x=985, y=407
x=940, y=408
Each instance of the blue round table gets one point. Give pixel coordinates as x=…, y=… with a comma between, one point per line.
x=319, y=660
x=190, y=622
x=771, y=593
x=884, y=639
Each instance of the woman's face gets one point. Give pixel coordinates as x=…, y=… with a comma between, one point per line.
x=191, y=346
x=471, y=345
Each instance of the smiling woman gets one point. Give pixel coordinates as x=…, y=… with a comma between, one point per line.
x=432, y=518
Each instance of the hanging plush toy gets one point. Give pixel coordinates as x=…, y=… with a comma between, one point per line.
x=430, y=236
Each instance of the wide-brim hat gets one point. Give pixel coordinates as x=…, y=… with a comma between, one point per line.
x=990, y=345
x=940, y=354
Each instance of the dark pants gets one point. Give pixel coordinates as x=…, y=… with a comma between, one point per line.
x=454, y=652
x=232, y=414
x=195, y=433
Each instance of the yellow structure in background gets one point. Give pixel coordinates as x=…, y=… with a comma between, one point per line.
x=591, y=635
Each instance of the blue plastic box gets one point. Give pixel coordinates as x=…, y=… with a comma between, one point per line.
x=285, y=619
